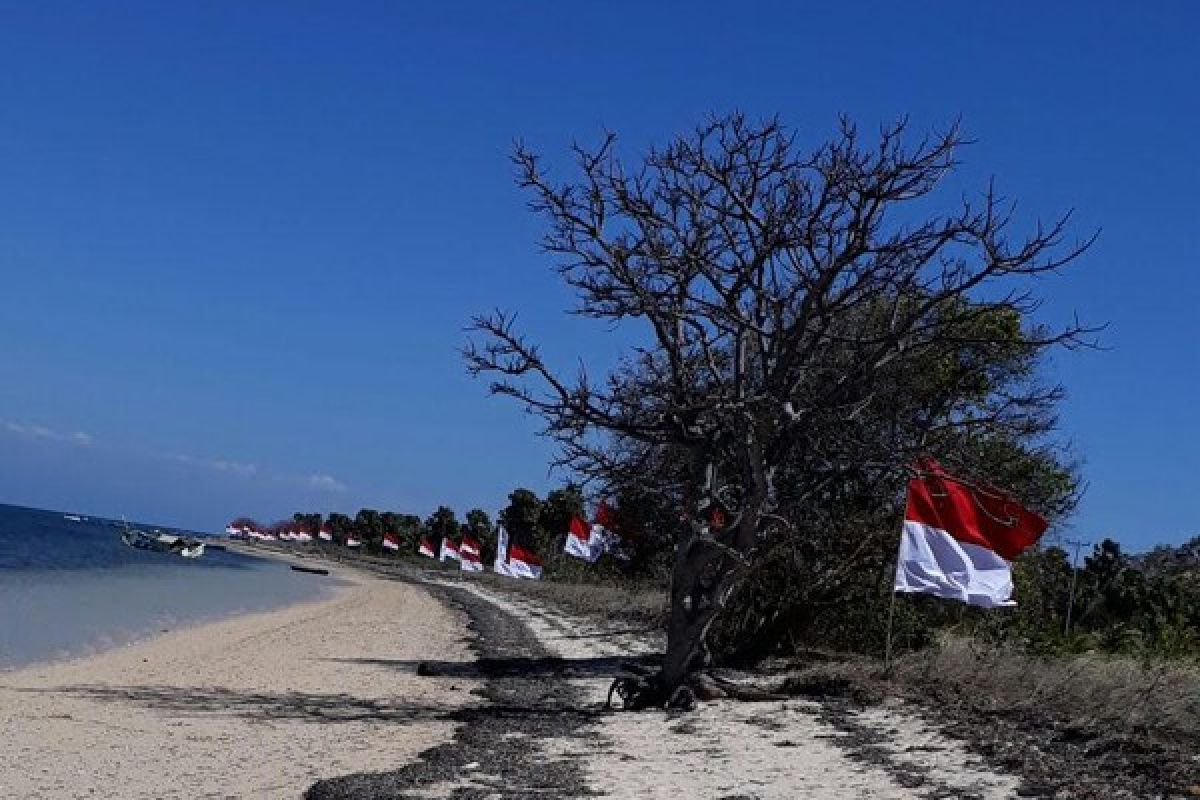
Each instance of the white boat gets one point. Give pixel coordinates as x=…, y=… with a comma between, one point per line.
x=193, y=551
x=72, y=517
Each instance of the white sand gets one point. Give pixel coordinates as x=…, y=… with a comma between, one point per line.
x=264, y=705
x=256, y=706
x=728, y=748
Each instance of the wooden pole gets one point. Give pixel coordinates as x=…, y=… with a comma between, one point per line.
x=1074, y=573
x=887, y=652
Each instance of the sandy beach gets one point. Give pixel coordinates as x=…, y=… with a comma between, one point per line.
x=255, y=706
x=326, y=698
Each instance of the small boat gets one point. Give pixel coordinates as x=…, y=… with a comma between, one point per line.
x=72, y=518
x=312, y=570
x=159, y=542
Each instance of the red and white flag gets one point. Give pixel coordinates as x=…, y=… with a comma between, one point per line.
x=578, y=539
x=589, y=542
x=425, y=548
x=959, y=540
x=303, y=536
x=470, y=546
x=602, y=539
x=325, y=534
x=470, y=562
x=352, y=540
x=391, y=541
x=523, y=563
x=449, y=549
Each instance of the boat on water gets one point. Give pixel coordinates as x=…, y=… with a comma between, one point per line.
x=160, y=542
x=72, y=518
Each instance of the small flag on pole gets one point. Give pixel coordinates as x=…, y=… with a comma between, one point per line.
x=449, y=549
x=469, y=546
x=352, y=540
x=470, y=562
x=391, y=541
x=959, y=540
x=589, y=542
x=523, y=563
x=325, y=534
x=425, y=548
x=602, y=538
x=578, y=538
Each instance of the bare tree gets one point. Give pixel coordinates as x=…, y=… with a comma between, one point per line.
x=785, y=294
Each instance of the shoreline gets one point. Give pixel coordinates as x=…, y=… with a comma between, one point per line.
x=260, y=704
x=125, y=638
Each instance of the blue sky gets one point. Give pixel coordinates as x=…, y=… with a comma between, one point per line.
x=239, y=242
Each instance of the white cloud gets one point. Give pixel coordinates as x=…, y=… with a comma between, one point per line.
x=318, y=481
x=218, y=464
x=326, y=483
x=48, y=434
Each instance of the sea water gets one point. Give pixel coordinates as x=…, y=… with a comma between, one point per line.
x=71, y=588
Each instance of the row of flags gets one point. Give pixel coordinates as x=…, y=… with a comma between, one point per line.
x=295, y=535
x=515, y=561
x=958, y=541
x=585, y=540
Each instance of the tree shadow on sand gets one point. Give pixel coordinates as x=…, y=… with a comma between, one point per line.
x=532, y=667
x=312, y=707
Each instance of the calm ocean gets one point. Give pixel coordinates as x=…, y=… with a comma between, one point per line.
x=71, y=588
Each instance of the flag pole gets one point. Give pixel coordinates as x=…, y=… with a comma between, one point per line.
x=887, y=652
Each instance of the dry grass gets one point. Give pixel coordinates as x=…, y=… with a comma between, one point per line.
x=635, y=606
x=1116, y=692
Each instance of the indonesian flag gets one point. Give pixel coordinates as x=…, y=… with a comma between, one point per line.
x=325, y=534
x=302, y=536
x=470, y=562
x=449, y=549
x=391, y=542
x=425, y=548
x=523, y=563
x=470, y=546
x=500, y=565
x=352, y=540
x=959, y=540
x=578, y=540
x=601, y=539
x=285, y=536
x=589, y=542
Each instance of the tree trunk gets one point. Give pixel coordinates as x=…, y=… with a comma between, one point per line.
x=703, y=575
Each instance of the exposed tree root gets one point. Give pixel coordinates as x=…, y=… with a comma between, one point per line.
x=645, y=689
